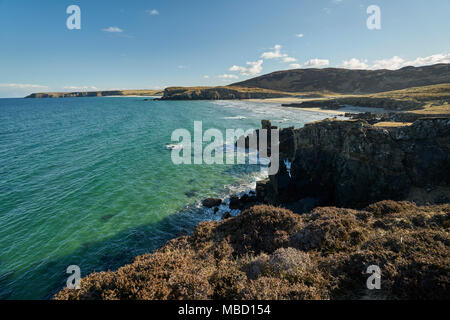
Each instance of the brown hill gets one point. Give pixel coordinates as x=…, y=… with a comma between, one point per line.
x=350, y=81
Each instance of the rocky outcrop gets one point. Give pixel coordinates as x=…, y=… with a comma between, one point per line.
x=373, y=118
x=211, y=202
x=218, y=93
x=367, y=102
x=352, y=163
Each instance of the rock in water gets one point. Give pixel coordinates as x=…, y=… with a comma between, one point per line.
x=211, y=202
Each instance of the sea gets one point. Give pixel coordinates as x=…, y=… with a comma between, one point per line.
x=90, y=182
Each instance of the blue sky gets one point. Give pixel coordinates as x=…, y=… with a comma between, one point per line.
x=207, y=42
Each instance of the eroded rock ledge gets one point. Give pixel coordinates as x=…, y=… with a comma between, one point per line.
x=352, y=163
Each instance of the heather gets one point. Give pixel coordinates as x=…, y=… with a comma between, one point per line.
x=272, y=253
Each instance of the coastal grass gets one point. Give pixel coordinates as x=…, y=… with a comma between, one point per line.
x=425, y=100
x=392, y=124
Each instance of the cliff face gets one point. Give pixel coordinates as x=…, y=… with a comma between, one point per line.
x=350, y=81
x=218, y=93
x=95, y=94
x=352, y=164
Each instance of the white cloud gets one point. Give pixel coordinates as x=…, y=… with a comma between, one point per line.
x=22, y=86
x=11, y=90
x=275, y=54
x=433, y=59
x=81, y=88
x=299, y=35
x=228, y=76
x=354, y=63
x=254, y=68
x=396, y=62
x=289, y=59
x=152, y=12
x=206, y=76
x=391, y=64
x=112, y=29
x=317, y=63
x=295, y=65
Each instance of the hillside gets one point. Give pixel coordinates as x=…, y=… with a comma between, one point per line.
x=96, y=94
x=348, y=81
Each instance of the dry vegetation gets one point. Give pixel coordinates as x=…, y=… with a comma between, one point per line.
x=436, y=98
x=272, y=253
x=426, y=100
x=392, y=124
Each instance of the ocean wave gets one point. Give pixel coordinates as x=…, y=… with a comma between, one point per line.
x=235, y=118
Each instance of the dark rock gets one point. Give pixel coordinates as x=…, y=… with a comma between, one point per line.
x=307, y=204
x=211, y=202
x=235, y=203
x=216, y=209
x=247, y=201
x=226, y=215
x=323, y=104
x=351, y=163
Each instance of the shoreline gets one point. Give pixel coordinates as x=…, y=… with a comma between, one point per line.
x=281, y=101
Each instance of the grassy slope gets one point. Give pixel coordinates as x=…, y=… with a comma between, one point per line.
x=430, y=100
x=436, y=98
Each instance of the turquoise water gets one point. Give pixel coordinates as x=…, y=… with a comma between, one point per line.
x=90, y=182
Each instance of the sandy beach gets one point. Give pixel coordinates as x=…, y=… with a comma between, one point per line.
x=298, y=100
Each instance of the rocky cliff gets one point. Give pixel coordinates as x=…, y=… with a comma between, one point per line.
x=352, y=163
x=219, y=93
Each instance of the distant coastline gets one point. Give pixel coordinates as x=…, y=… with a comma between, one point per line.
x=108, y=93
